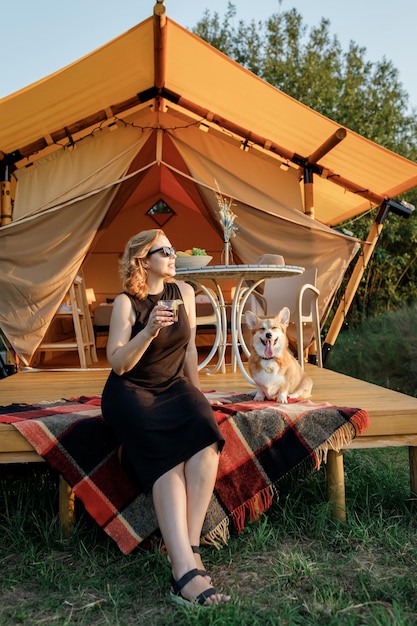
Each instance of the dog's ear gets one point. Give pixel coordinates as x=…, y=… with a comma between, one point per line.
x=251, y=319
x=283, y=317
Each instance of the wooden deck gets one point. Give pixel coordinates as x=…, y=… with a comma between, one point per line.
x=393, y=415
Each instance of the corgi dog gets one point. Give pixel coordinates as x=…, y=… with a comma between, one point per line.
x=276, y=372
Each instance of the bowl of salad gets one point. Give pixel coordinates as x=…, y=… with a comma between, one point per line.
x=192, y=258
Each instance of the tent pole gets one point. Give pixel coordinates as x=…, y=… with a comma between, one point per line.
x=160, y=40
x=309, y=210
x=308, y=192
x=353, y=283
x=5, y=195
x=328, y=145
x=310, y=167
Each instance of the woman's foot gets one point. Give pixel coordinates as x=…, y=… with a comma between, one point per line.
x=193, y=588
x=198, y=561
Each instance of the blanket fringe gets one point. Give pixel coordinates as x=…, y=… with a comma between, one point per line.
x=360, y=420
x=341, y=437
x=218, y=536
x=253, y=508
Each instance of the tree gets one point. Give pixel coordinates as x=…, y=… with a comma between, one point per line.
x=309, y=64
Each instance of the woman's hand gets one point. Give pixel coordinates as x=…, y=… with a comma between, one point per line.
x=123, y=352
x=159, y=317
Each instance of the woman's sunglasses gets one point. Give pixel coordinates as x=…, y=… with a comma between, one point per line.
x=166, y=251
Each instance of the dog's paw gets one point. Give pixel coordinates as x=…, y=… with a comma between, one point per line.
x=282, y=398
x=259, y=397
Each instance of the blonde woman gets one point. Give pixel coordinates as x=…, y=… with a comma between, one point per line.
x=153, y=402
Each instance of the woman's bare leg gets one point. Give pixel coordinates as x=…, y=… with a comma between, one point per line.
x=181, y=497
x=200, y=476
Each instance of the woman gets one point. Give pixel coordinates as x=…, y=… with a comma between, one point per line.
x=153, y=402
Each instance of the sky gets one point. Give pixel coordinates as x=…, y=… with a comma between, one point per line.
x=40, y=37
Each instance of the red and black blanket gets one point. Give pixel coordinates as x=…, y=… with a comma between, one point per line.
x=265, y=443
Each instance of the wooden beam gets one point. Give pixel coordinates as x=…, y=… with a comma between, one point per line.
x=327, y=146
x=351, y=288
x=308, y=192
x=5, y=203
x=5, y=195
x=159, y=42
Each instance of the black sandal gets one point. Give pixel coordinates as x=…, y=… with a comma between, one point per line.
x=196, y=550
x=177, y=585
x=202, y=572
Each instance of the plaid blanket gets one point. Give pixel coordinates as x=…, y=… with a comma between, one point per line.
x=265, y=443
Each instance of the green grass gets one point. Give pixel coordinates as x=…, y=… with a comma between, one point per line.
x=294, y=566
x=382, y=350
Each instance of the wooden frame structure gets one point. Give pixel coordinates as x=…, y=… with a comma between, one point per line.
x=393, y=418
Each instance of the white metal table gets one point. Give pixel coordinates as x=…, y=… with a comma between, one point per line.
x=244, y=275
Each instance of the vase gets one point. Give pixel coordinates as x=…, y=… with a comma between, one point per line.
x=226, y=252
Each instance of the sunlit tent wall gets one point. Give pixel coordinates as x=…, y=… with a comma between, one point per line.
x=157, y=114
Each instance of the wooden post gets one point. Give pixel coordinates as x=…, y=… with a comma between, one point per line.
x=336, y=484
x=66, y=506
x=312, y=160
x=160, y=50
x=308, y=192
x=352, y=287
x=5, y=195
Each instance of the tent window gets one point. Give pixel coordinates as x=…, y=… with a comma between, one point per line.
x=161, y=213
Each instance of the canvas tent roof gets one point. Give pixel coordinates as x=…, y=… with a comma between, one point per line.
x=158, y=86
x=197, y=74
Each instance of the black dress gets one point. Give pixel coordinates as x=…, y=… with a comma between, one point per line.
x=158, y=415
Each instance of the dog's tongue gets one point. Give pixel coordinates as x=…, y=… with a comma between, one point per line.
x=269, y=351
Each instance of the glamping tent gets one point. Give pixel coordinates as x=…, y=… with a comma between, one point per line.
x=141, y=133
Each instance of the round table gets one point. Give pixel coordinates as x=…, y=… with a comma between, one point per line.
x=247, y=278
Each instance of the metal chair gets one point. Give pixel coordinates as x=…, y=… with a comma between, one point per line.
x=300, y=295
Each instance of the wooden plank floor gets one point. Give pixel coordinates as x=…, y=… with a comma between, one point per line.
x=391, y=413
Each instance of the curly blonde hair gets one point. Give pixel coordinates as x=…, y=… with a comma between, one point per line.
x=132, y=272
